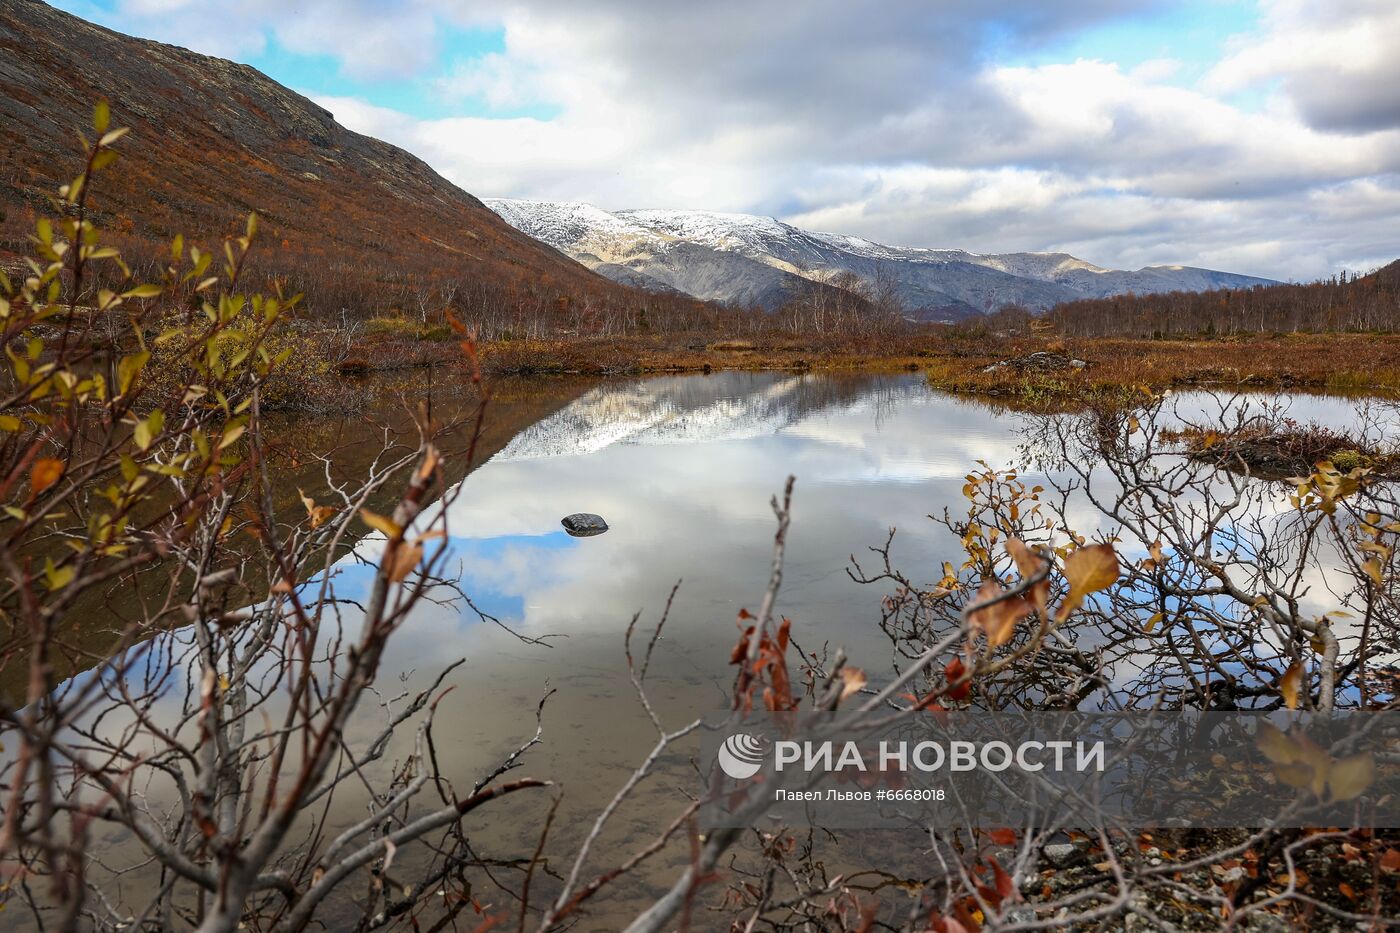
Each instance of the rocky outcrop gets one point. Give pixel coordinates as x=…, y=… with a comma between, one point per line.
x=1042, y=361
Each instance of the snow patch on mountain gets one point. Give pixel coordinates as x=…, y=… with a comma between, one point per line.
x=751, y=260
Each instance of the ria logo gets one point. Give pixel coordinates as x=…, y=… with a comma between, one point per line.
x=741, y=756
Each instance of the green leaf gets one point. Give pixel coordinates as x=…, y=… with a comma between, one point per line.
x=143, y=291
x=101, y=116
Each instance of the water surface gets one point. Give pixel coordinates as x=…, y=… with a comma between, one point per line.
x=682, y=469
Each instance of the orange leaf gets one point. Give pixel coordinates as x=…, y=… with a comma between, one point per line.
x=741, y=649
x=431, y=458
x=1290, y=685
x=997, y=621
x=317, y=513
x=853, y=678
x=1029, y=564
x=958, y=689
x=1088, y=570
x=46, y=472
x=1026, y=560
x=406, y=557
x=1002, y=837
x=1005, y=886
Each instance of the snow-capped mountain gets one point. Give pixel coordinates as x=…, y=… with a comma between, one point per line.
x=749, y=260
x=679, y=410
x=635, y=254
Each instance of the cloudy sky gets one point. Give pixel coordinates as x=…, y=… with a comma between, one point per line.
x=1259, y=136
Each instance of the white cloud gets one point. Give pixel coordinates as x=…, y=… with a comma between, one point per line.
x=900, y=121
x=1336, y=62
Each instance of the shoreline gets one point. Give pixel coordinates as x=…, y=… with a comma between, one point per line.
x=1116, y=370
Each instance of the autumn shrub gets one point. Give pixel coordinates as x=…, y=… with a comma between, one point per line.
x=298, y=377
x=1280, y=448
x=137, y=464
x=403, y=328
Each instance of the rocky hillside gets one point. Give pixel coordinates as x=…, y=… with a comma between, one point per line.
x=759, y=260
x=354, y=222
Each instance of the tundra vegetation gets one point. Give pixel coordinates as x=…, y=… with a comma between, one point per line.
x=212, y=730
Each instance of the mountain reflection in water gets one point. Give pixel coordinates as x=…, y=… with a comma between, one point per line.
x=682, y=469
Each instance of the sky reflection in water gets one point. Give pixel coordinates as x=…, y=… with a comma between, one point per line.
x=682, y=469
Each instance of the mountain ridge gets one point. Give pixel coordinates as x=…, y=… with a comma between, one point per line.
x=932, y=283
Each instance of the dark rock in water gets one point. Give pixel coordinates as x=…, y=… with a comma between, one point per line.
x=584, y=524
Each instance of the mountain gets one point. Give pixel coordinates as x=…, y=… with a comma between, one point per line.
x=635, y=254
x=744, y=259
x=352, y=221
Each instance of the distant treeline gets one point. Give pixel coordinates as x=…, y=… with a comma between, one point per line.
x=1343, y=303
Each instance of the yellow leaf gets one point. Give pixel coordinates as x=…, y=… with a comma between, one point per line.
x=232, y=434
x=1373, y=570
x=381, y=523
x=148, y=429
x=1276, y=746
x=59, y=577
x=1152, y=622
x=1347, y=778
x=129, y=368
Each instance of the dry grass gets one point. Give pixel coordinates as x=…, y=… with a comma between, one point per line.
x=1344, y=363
x=1118, y=369
x=1283, y=449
